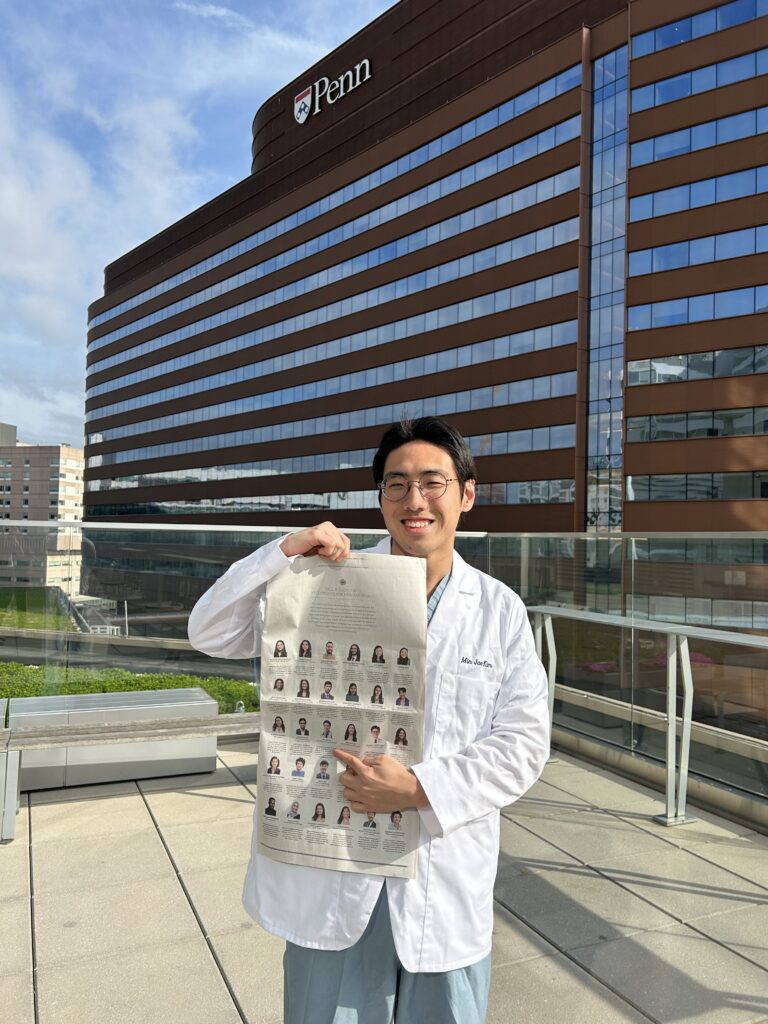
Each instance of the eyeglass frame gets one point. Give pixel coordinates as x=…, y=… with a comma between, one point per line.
x=409, y=482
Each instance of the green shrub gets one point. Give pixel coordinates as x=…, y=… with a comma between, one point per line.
x=18, y=680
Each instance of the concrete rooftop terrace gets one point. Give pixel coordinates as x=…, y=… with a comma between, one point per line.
x=120, y=904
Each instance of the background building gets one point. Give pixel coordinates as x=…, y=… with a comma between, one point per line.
x=547, y=222
x=40, y=483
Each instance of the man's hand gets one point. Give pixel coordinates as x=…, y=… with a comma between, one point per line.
x=325, y=540
x=379, y=783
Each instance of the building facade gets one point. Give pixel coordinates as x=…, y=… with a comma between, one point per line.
x=42, y=484
x=547, y=222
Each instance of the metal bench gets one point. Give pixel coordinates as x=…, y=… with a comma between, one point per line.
x=16, y=741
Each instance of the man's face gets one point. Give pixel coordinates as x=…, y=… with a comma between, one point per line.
x=323, y=766
x=370, y=815
x=326, y=726
x=375, y=731
x=419, y=527
x=327, y=687
x=302, y=723
x=299, y=763
x=329, y=648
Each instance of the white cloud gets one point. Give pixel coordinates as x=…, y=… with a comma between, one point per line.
x=115, y=120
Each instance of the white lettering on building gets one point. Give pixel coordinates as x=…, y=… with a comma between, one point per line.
x=329, y=91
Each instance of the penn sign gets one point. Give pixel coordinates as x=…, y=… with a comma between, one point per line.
x=310, y=100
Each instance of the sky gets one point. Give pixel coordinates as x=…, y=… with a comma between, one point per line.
x=118, y=117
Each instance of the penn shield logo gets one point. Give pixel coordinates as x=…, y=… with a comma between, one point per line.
x=302, y=105
x=329, y=90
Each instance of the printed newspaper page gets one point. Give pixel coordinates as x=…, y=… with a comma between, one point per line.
x=342, y=665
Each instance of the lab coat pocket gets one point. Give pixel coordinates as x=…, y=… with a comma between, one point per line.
x=465, y=711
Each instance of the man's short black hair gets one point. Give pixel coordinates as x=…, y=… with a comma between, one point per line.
x=432, y=430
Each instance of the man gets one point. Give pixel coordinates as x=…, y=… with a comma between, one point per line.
x=302, y=729
x=298, y=771
x=375, y=733
x=327, y=687
x=369, y=820
x=326, y=734
x=418, y=948
x=329, y=655
x=270, y=809
x=402, y=701
x=323, y=774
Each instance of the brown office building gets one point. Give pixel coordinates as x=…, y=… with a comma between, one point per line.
x=546, y=221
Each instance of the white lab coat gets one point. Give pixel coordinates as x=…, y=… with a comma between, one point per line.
x=486, y=739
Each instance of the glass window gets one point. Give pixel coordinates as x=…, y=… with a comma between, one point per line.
x=735, y=13
x=671, y=35
x=738, y=302
x=668, y=257
x=732, y=486
x=666, y=314
x=736, y=69
x=668, y=427
x=638, y=372
x=760, y=485
x=701, y=250
x=733, y=422
x=668, y=487
x=702, y=192
x=737, y=126
x=700, y=365
x=644, y=43
x=641, y=207
x=732, y=362
x=639, y=318
x=671, y=89
x=733, y=186
x=700, y=424
x=642, y=152
x=704, y=135
x=673, y=144
x=699, y=486
x=637, y=429
x=637, y=488
x=703, y=79
x=761, y=419
x=701, y=307
x=640, y=262
x=642, y=98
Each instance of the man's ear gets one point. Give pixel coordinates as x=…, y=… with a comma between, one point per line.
x=468, y=498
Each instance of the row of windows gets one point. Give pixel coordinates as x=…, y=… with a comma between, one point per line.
x=678, y=426
x=561, y=435
x=530, y=195
x=495, y=209
x=725, y=362
x=697, y=486
x=695, y=308
x=344, y=307
x=476, y=126
x=700, y=136
x=495, y=396
x=699, y=611
x=485, y=305
x=713, y=76
x=704, y=552
x=715, y=19
x=721, y=189
x=518, y=248
x=726, y=246
x=518, y=492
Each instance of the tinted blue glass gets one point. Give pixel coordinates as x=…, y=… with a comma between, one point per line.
x=703, y=79
x=736, y=69
x=738, y=302
x=668, y=257
x=643, y=43
x=671, y=35
x=738, y=126
x=703, y=192
x=700, y=307
x=734, y=243
x=639, y=318
x=701, y=250
x=703, y=135
x=640, y=262
x=641, y=207
x=735, y=13
x=673, y=311
x=761, y=298
x=733, y=186
x=641, y=153
x=703, y=24
x=642, y=98
x=671, y=89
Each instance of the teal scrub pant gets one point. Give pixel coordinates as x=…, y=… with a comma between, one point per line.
x=367, y=984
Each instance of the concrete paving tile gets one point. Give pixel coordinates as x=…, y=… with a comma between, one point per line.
x=210, y=844
x=514, y=941
x=221, y=776
x=552, y=988
x=575, y=906
x=591, y=836
x=546, y=796
x=67, y=794
x=746, y=856
x=683, y=885
x=216, y=896
x=14, y=869
x=706, y=830
x=172, y=984
x=17, y=999
x=252, y=959
x=233, y=754
x=93, y=924
x=209, y=803
x=246, y=773
x=614, y=794
x=100, y=861
x=15, y=938
x=99, y=816
x=745, y=931
x=522, y=851
x=676, y=975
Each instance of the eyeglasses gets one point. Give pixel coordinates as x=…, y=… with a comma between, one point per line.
x=431, y=485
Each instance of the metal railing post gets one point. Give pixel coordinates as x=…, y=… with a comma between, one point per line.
x=676, y=789
x=9, y=797
x=551, y=663
x=685, y=737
